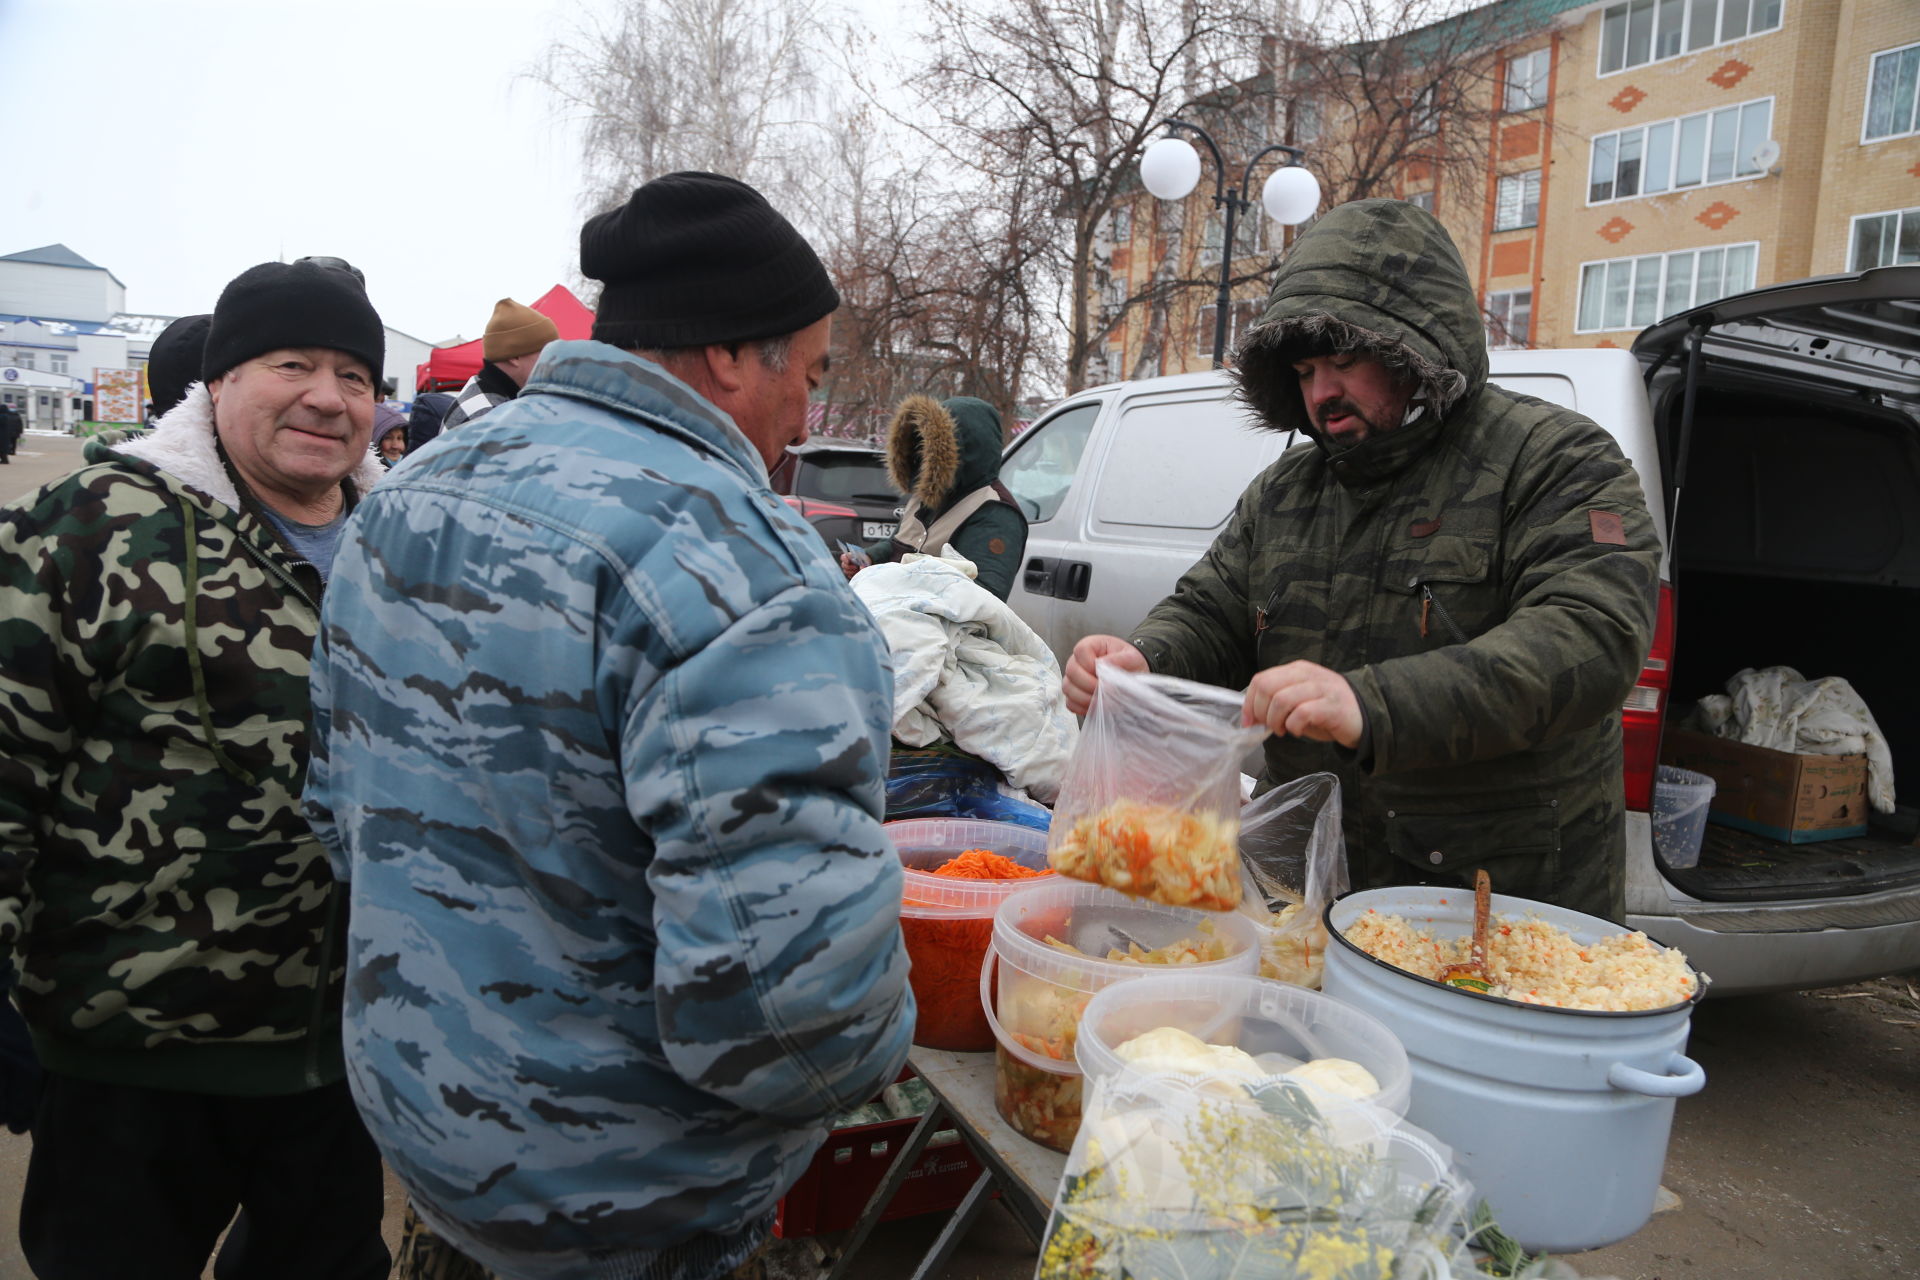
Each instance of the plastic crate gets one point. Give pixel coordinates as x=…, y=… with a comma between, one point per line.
x=837, y=1185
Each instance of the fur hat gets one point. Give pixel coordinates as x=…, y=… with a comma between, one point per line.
x=515, y=330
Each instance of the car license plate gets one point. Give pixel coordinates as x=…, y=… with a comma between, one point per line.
x=877, y=529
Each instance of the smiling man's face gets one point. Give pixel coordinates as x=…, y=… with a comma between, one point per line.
x=295, y=422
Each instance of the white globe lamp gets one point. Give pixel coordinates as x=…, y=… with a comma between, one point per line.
x=1290, y=197
x=1170, y=169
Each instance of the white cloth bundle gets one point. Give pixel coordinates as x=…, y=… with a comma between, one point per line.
x=1778, y=707
x=968, y=670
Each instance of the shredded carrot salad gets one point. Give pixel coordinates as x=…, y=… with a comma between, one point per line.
x=947, y=955
x=985, y=864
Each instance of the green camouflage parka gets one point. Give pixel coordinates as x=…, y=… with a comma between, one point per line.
x=1483, y=576
x=174, y=918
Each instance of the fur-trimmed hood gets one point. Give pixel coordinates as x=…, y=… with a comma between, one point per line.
x=938, y=452
x=1381, y=278
x=183, y=445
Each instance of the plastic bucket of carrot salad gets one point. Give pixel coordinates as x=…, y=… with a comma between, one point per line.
x=1054, y=945
x=958, y=872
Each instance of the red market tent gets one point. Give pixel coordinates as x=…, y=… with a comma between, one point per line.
x=448, y=368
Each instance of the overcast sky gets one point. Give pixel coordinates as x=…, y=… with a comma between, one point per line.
x=178, y=142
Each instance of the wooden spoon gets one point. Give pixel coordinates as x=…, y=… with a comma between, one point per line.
x=1473, y=975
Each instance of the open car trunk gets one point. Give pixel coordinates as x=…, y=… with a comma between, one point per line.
x=1795, y=490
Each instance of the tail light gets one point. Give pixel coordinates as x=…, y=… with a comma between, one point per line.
x=1646, y=708
x=809, y=508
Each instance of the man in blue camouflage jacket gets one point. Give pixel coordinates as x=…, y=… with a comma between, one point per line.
x=600, y=738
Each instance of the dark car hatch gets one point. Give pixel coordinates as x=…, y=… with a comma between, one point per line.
x=1789, y=424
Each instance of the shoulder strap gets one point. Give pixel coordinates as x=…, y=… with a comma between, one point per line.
x=949, y=524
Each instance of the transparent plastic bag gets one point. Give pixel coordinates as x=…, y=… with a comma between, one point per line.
x=1295, y=860
x=1180, y=1178
x=1151, y=801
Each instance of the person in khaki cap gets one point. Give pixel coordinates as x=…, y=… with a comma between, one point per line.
x=512, y=345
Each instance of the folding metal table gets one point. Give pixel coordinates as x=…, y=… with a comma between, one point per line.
x=1026, y=1174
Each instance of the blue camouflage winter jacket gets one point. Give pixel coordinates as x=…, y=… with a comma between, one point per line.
x=600, y=738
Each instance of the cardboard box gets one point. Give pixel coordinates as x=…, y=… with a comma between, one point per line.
x=1778, y=794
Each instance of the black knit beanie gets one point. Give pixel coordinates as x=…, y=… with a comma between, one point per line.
x=292, y=304
x=173, y=362
x=696, y=258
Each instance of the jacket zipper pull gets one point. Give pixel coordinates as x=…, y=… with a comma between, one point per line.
x=1259, y=621
x=1426, y=607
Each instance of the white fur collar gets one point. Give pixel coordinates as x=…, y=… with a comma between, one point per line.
x=182, y=445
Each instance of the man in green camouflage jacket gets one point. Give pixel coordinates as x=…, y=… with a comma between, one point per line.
x=175, y=920
x=1444, y=600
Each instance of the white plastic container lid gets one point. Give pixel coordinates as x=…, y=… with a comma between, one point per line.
x=1254, y=1014
x=926, y=844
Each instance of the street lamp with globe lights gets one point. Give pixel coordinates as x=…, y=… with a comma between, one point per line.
x=1170, y=169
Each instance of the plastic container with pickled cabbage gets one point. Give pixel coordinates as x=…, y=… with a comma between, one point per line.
x=1033, y=993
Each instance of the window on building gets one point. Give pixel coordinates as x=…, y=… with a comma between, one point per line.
x=1308, y=120
x=57, y=361
x=1893, y=94
x=1120, y=227
x=24, y=360
x=1246, y=314
x=1210, y=241
x=1517, y=203
x=1670, y=155
x=1509, y=318
x=1113, y=297
x=1203, y=332
x=1421, y=200
x=1885, y=240
x=1527, y=80
x=1424, y=117
x=1631, y=293
x=1637, y=32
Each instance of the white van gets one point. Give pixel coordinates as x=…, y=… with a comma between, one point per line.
x=1126, y=485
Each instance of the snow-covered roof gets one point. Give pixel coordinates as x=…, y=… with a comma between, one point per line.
x=140, y=325
x=63, y=327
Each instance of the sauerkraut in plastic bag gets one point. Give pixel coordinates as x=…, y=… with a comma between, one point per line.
x=1178, y=1177
x=1295, y=859
x=1151, y=802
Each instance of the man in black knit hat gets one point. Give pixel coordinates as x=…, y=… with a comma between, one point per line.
x=173, y=363
x=178, y=928
x=603, y=762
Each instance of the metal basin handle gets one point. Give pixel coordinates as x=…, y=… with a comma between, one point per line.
x=1685, y=1077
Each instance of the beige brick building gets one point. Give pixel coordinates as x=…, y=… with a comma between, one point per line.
x=1630, y=172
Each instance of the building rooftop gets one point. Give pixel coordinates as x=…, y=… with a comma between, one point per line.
x=58, y=255
x=139, y=324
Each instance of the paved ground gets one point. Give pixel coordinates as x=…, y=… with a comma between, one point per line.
x=1800, y=1159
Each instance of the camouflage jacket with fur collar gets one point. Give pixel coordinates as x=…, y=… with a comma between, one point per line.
x=171, y=912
